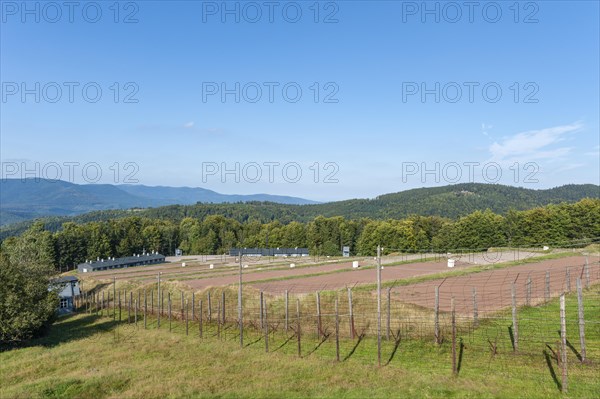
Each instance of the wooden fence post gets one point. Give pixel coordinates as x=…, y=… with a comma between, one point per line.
x=319, y=329
x=162, y=301
x=219, y=318
x=547, y=290
x=379, y=305
x=337, y=332
x=119, y=305
x=453, y=310
x=581, y=317
x=389, y=313
x=159, y=300
x=169, y=310
x=135, y=309
x=200, y=318
x=223, y=307
x=187, y=321
x=528, y=291
x=351, y=313
x=266, y=328
x=241, y=315
x=182, y=299
x=114, y=298
x=193, y=306
x=152, y=301
x=568, y=279
x=298, y=332
x=436, y=315
x=514, y=318
x=129, y=307
x=563, y=339
x=587, y=273
x=261, y=310
x=475, y=308
x=209, y=307
x=145, y=308
x=286, y=311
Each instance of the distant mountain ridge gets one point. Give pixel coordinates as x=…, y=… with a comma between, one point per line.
x=31, y=198
x=447, y=201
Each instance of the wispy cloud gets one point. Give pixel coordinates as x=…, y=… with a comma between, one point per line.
x=570, y=166
x=189, y=125
x=534, y=145
x=595, y=151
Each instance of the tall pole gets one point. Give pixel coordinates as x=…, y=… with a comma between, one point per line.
x=114, y=298
x=563, y=338
x=159, y=303
x=379, y=304
x=240, y=305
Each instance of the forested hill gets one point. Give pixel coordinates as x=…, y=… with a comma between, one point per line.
x=24, y=199
x=448, y=201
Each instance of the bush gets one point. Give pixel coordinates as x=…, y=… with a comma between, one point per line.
x=26, y=304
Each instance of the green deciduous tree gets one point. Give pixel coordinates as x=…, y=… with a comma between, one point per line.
x=26, y=304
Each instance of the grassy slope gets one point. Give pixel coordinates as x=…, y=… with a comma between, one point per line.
x=87, y=356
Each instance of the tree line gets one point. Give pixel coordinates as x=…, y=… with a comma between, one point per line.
x=555, y=225
x=451, y=201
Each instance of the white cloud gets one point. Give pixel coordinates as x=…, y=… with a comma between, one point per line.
x=189, y=125
x=534, y=145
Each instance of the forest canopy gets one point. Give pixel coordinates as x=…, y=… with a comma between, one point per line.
x=554, y=225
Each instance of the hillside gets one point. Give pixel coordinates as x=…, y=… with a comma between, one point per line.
x=21, y=200
x=448, y=201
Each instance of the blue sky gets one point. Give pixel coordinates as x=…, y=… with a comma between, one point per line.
x=371, y=130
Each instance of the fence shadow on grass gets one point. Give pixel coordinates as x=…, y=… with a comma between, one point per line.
x=253, y=342
x=551, y=369
x=284, y=343
x=318, y=345
x=360, y=338
x=460, y=356
x=396, y=345
x=575, y=351
x=511, y=334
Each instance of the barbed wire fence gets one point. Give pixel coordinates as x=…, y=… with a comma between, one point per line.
x=554, y=311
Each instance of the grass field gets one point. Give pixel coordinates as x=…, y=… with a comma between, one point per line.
x=86, y=356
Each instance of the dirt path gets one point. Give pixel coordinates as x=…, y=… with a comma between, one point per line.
x=233, y=279
x=356, y=276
